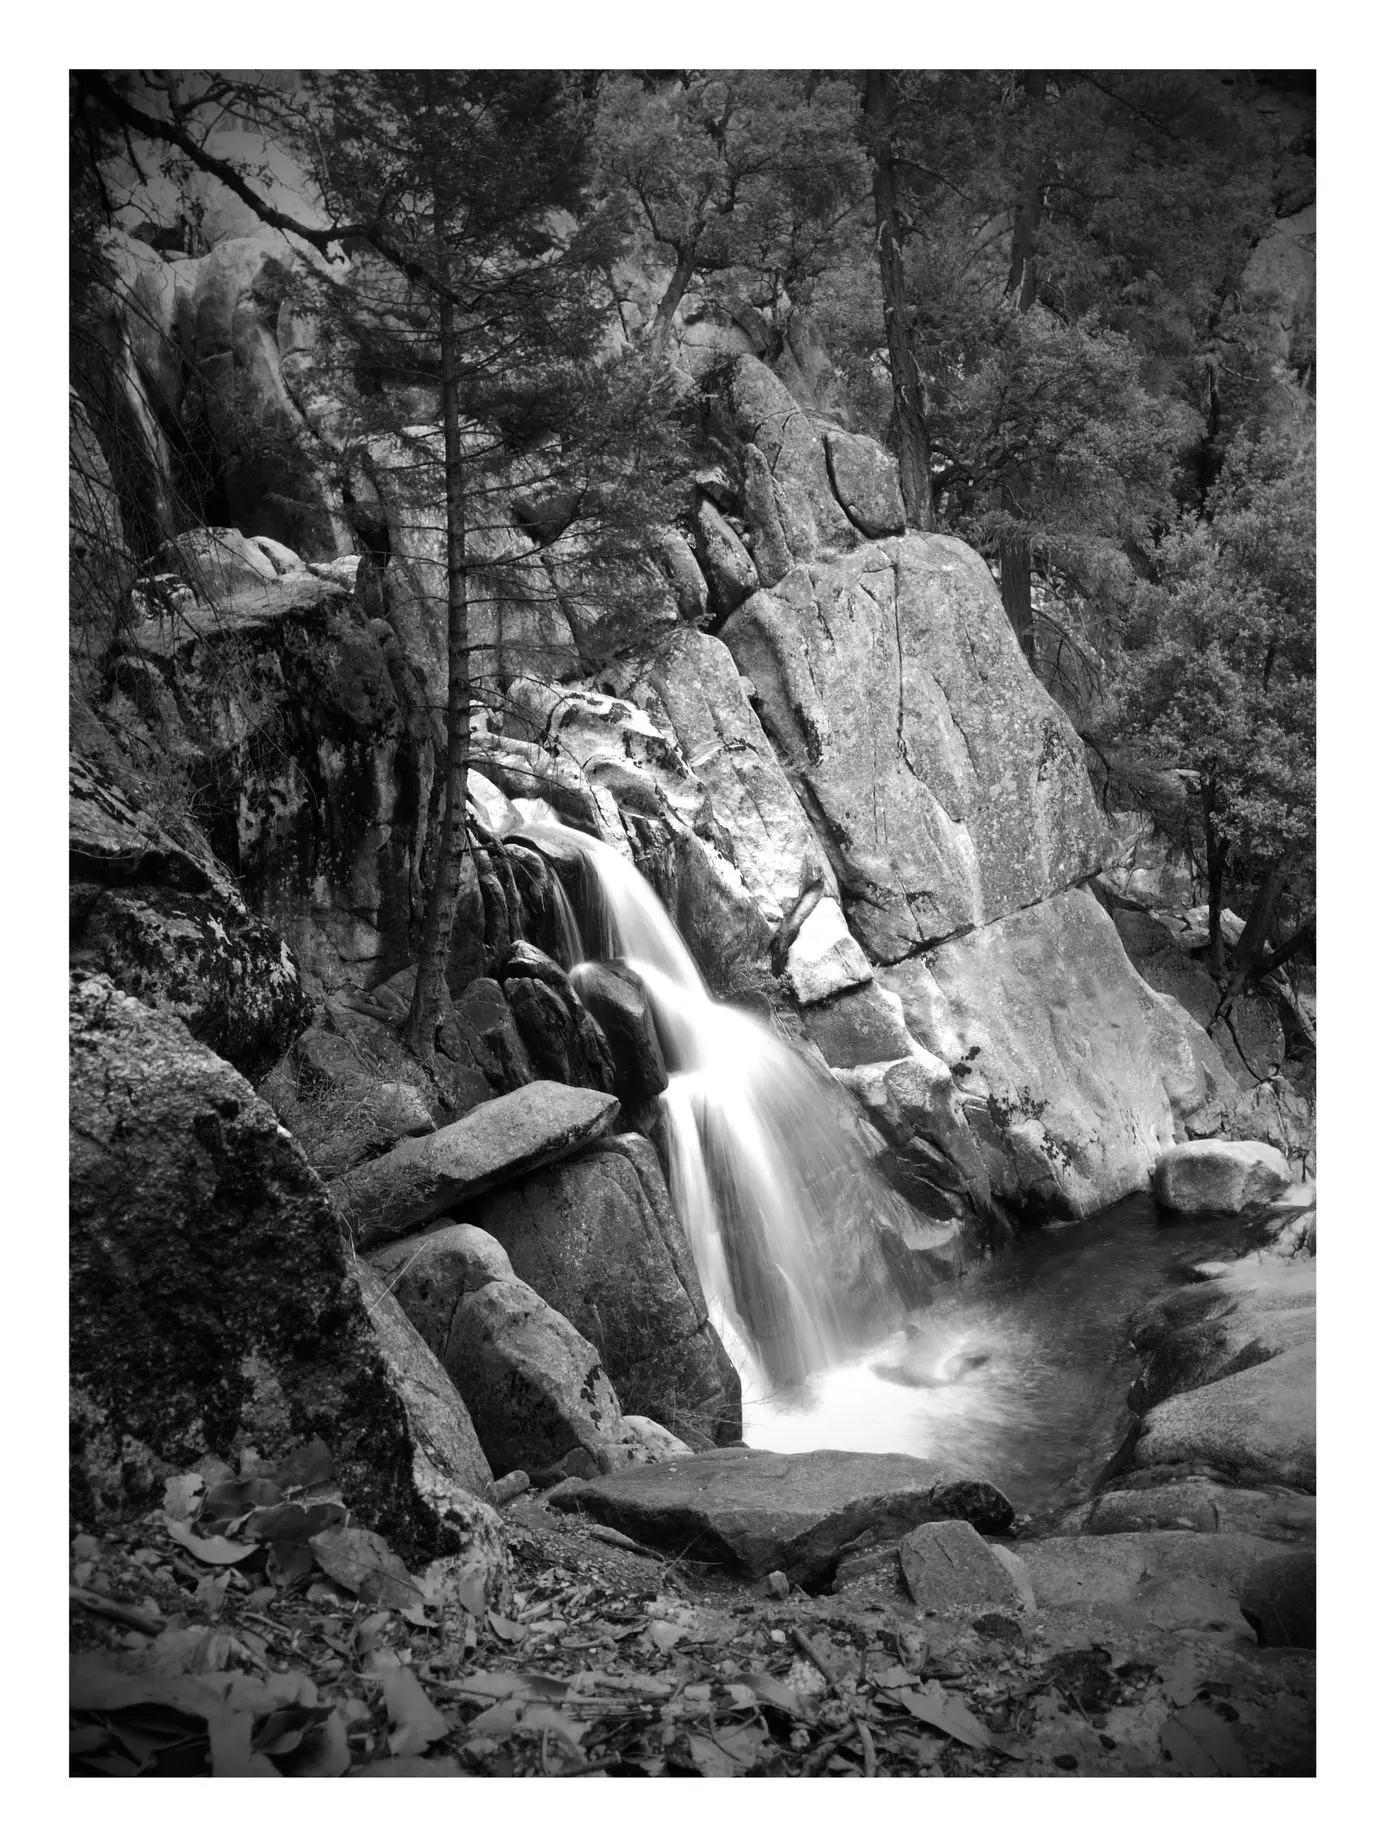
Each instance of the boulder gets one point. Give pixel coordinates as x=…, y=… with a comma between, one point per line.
x=213, y=1305
x=659, y=1442
x=1220, y=1176
x=824, y=958
x=865, y=479
x=616, y=1000
x=440, y=1425
x=496, y=1143
x=675, y=558
x=725, y=563
x=535, y=1389
x=159, y=915
x=858, y=1028
x=1073, y=1076
x=598, y=1239
x=766, y=414
x=1172, y=1580
x=564, y=1042
x=764, y=509
x=951, y=787
x=951, y=1572
x=1197, y=1504
x=762, y=1512
x=429, y=1274
x=486, y=1036
x=1257, y=1426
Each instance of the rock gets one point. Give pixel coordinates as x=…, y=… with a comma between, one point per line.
x=510, y=1487
x=534, y=1387
x=1198, y=1504
x=858, y=1028
x=487, y=1036
x=1218, y=1176
x=824, y=958
x=160, y=916
x=1019, y=1576
x=674, y=557
x=725, y=563
x=1258, y=1426
x=599, y=1240
x=1174, y=1580
x=1072, y=1075
x=617, y=1002
x=865, y=479
x=769, y=544
x=213, y=1305
x=439, y=1423
x=951, y=1572
x=953, y=790
x=563, y=1041
x=1279, y=1599
x=496, y=1143
x=658, y=1441
x=764, y=1512
x=767, y=415
x=429, y=1274
x=218, y=562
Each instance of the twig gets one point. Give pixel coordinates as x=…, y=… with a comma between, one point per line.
x=112, y=1612
x=819, y=1755
x=867, y=1746
x=610, y=1537
x=801, y=1642
x=597, y=1763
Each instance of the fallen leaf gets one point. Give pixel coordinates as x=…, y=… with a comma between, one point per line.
x=1202, y=1744
x=416, y=1720
x=731, y=1751
x=511, y=1686
x=445, y=1581
x=518, y=1716
x=289, y=1564
x=507, y=1631
x=228, y=1736
x=946, y=1712
x=666, y=1636
x=182, y=1496
x=361, y=1561
x=212, y=1550
x=324, y=1751
x=895, y=1677
x=307, y=1467
x=771, y=1692
x=410, y=1766
x=1180, y=1677
x=291, y=1521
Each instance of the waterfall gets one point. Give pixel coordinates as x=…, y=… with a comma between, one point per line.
x=780, y=1208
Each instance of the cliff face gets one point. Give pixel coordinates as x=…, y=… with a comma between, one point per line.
x=832, y=760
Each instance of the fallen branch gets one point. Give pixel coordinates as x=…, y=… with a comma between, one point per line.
x=112, y=1612
x=610, y=1537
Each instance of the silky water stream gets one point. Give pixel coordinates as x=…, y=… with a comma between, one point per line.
x=1017, y=1372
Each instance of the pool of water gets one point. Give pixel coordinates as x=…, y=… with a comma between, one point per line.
x=1018, y=1372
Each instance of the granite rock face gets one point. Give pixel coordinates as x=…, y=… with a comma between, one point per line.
x=213, y=1305
x=1220, y=1176
x=950, y=787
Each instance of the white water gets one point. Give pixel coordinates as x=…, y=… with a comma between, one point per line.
x=765, y=1181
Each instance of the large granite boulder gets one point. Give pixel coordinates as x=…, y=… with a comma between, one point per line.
x=952, y=788
x=865, y=479
x=616, y=1000
x=790, y=439
x=598, y=1239
x=824, y=958
x=495, y=1143
x=1256, y=1426
x=1220, y=1176
x=564, y=1042
x=1170, y=1580
x=761, y=1512
x=726, y=565
x=158, y=914
x=1073, y=1075
x=429, y=1273
x=213, y=1305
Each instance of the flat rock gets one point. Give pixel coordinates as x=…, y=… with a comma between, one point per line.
x=951, y=1571
x=1152, y=1571
x=763, y=1512
x=497, y=1142
x=1219, y=1176
x=1256, y=1426
x=1198, y=1504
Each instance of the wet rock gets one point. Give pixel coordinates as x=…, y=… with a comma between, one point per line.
x=617, y=1002
x=764, y=1512
x=865, y=479
x=1280, y=1601
x=440, y=1425
x=824, y=958
x=563, y=1041
x=1219, y=1176
x=535, y=1389
x=950, y=1571
x=213, y=1305
x=496, y=1143
x=598, y=1239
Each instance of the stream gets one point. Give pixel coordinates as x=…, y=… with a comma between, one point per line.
x=1026, y=1356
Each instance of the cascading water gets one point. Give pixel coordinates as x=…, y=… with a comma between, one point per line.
x=765, y=1180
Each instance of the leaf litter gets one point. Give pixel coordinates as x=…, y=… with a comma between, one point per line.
x=252, y=1627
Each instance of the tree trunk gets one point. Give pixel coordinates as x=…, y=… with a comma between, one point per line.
x=1023, y=282
x=1015, y=592
x=910, y=414
x=677, y=287
x=1216, y=856
x=431, y=996
x=1247, y=957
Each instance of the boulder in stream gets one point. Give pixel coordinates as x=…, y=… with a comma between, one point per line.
x=1220, y=1176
